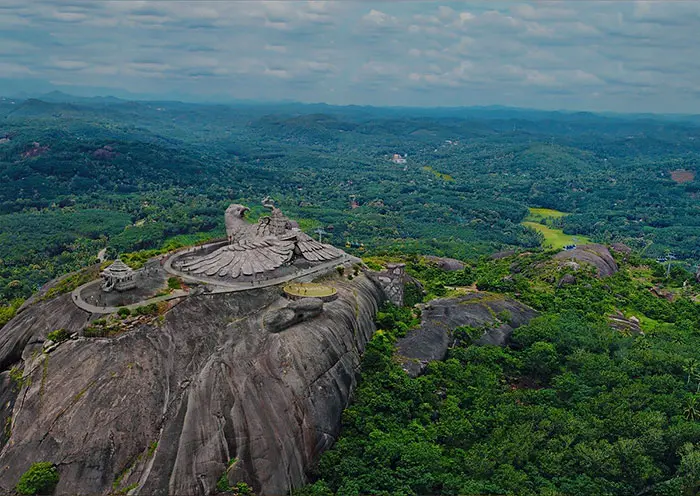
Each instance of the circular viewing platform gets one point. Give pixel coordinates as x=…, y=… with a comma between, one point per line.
x=299, y=290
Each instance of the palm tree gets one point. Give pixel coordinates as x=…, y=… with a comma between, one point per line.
x=690, y=368
x=692, y=409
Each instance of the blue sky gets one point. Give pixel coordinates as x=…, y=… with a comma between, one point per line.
x=624, y=56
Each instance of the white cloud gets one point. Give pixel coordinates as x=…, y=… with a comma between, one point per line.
x=360, y=52
x=377, y=18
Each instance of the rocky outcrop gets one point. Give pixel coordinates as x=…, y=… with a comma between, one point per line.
x=164, y=408
x=629, y=326
x=621, y=248
x=392, y=280
x=497, y=314
x=446, y=264
x=594, y=254
x=294, y=313
x=566, y=280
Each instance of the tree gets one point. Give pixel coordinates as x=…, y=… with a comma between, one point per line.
x=41, y=478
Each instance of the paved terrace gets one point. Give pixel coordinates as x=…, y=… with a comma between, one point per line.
x=218, y=288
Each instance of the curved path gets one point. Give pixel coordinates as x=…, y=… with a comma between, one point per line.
x=214, y=288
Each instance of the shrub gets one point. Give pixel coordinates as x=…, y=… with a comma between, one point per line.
x=17, y=377
x=41, y=478
x=124, y=312
x=373, y=265
x=58, y=336
x=150, y=309
x=242, y=489
x=94, y=332
x=222, y=484
x=174, y=283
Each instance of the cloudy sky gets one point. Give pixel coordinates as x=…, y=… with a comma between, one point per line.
x=624, y=56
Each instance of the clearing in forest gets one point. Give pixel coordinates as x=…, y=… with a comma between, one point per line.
x=556, y=238
x=553, y=238
x=540, y=214
x=682, y=176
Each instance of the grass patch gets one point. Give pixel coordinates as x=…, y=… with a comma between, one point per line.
x=540, y=214
x=438, y=174
x=555, y=238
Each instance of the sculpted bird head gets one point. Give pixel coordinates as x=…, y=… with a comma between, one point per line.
x=236, y=226
x=236, y=210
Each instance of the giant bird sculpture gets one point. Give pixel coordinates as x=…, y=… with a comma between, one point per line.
x=258, y=248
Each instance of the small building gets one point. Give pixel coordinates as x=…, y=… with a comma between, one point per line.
x=118, y=276
x=398, y=159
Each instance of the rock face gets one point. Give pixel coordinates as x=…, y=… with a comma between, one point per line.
x=440, y=317
x=597, y=255
x=163, y=409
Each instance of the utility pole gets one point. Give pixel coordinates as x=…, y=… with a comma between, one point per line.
x=320, y=233
x=669, y=257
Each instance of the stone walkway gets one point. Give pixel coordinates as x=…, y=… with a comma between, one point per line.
x=89, y=307
x=215, y=288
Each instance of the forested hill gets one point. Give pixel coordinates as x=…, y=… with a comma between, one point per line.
x=80, y=175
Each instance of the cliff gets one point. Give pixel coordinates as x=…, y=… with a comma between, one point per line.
x=171, y=406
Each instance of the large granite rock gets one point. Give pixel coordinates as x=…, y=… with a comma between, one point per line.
x=445, y=263
x=163, y=409
x=597, y=255
x=440, y=317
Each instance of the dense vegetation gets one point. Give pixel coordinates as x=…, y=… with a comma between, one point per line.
x=75, y=178
x=571, y=407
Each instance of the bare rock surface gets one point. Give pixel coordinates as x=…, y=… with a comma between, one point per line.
x=163, y=408
x=621, y=248
x=597, y=255
x=625, y=325
x=440, y=317
x=446, y=264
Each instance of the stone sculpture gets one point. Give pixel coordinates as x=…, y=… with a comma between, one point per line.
x=260, y=248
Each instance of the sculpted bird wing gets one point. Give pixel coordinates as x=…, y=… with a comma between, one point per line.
x=245, y=257
x=314, y=251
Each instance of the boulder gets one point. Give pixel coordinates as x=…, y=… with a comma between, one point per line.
x=294, y=313
x=446, y=264
x=594, y=254
x=502, y=254
x=620, y=323
x=440, y=317
x=621, y=248
x=566, y=280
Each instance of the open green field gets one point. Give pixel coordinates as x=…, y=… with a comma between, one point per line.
x=540, y=214
x=555, y=238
